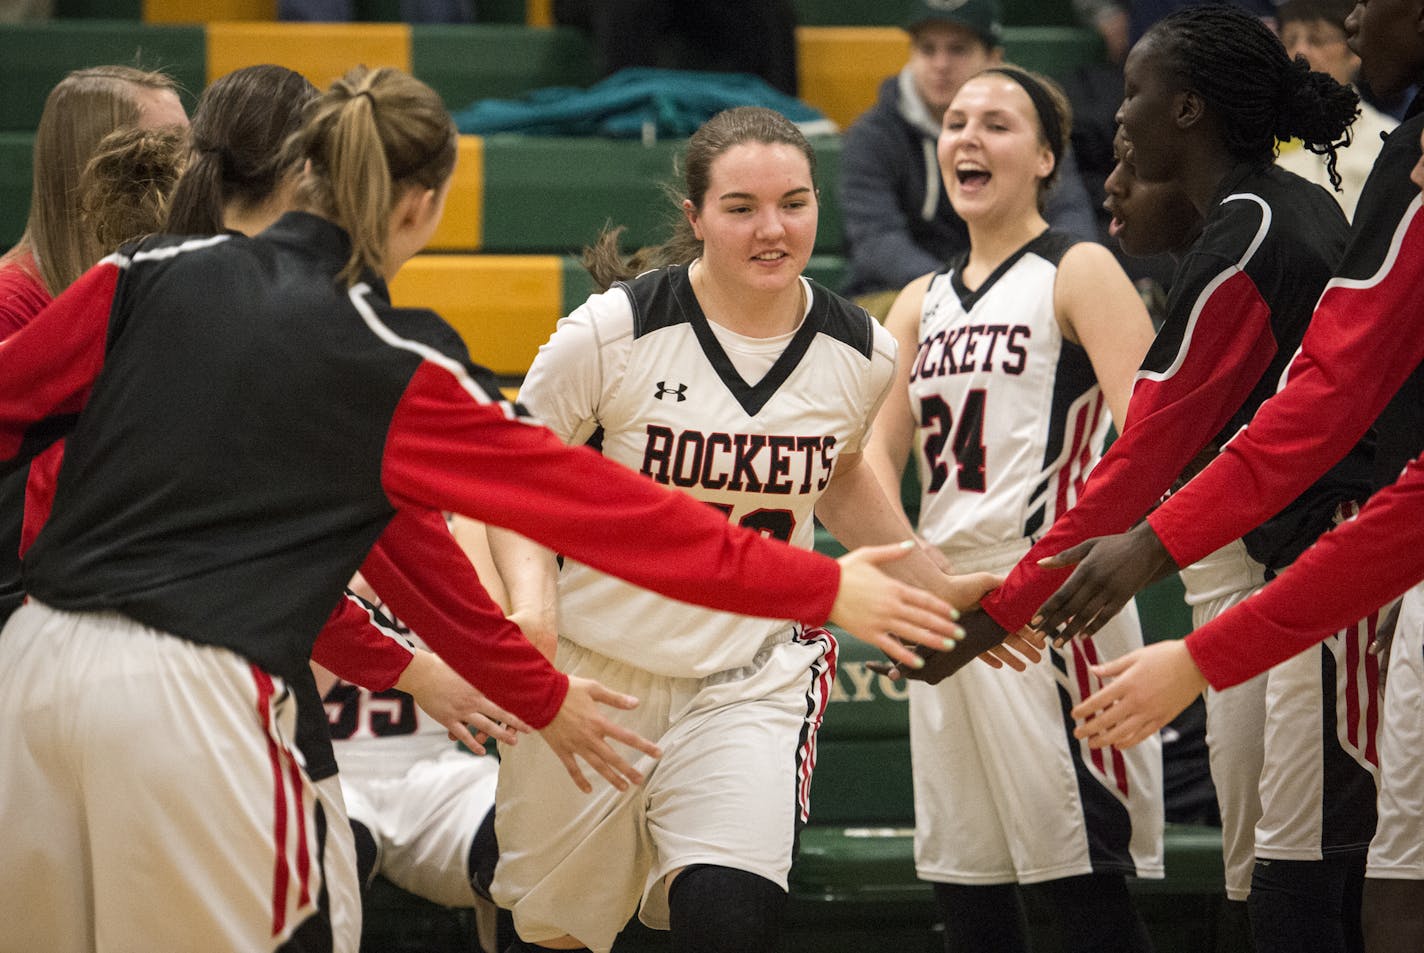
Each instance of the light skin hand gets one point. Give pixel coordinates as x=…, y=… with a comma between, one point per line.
x=1110, y=571
x=445, y=696
x=888, y=614
x=581, y=731
x=1148, y=687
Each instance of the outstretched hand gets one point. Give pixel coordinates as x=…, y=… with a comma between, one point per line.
x=1111, y=570
x=1150, y=686
x=888, y=614
x=983, y=638
x=581, y=731
x=444, y=695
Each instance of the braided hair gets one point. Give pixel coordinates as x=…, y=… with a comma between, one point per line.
x=1239, y=67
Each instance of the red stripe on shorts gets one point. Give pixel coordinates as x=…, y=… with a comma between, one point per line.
x=281, y=872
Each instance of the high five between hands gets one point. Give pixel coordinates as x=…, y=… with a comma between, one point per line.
x=1143, y=690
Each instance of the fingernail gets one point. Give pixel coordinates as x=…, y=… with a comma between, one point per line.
x=917, y=662
x=949, y=645
x=908, y=544
x=954, y=613
x=1036, y=621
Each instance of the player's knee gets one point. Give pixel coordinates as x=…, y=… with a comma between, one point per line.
x=484, y=855
x=367, y=853
x=724, y=910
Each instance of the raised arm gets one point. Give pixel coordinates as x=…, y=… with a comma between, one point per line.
x=1197, y=374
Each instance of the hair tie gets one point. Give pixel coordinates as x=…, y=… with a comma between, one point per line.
x=369, y=98
x=1043, y=104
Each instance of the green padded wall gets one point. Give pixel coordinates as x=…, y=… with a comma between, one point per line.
x=1054, y=50
x=466, y=63
x=16, y=150
x=36, y=56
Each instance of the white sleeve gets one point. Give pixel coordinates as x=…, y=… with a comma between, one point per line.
x=567, y=383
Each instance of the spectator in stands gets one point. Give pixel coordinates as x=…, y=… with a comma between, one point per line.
x=411, y=11
x=898, y=220
x=1315, y=29
x=728, y=36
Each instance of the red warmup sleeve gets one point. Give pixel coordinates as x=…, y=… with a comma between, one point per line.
x=39, y=493
x=422, y=574
x=355, y=651
x=1226, y=347
x=47, y=369
x=1350, y=571
x=454, y=448
x=1363, y=343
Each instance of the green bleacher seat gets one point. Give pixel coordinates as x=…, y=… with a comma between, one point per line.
x=495, y=60
x=38, y=55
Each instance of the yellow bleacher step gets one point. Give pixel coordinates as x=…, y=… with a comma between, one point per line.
x=321, y=52
x=504, y=306
x=840, y=68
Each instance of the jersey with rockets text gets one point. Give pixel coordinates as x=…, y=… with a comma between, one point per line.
x=640, y=370
x=1009, y=414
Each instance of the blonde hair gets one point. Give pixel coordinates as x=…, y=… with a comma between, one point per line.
x=126, y=187
x=367, y=138
x=81, y=110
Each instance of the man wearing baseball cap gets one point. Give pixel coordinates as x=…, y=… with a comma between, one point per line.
x=898, y=220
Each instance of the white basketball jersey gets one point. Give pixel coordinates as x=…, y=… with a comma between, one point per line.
x=1009, y=415
x=641, y=373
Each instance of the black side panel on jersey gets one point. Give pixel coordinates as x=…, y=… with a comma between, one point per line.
x=664, y=298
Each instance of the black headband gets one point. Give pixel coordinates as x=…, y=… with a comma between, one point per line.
x=1043, y=104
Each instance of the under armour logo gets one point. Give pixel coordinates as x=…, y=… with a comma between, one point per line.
x=680, y=391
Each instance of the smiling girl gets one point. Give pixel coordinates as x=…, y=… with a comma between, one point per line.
x=722, y=371
x=1012, y=353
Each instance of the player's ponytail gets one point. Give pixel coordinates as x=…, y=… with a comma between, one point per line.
x=731, y=127
x=1247, y=80
x=1318, y=111
x=241, y=123
x=373, y=134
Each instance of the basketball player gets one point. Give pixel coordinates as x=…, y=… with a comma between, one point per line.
x=1357, y=366
x=720, y=370
x=1206, y=93
x=247, y=415
x=1013, y=351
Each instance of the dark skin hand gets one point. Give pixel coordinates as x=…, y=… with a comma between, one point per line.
x=981, y=634
x=1111, y=570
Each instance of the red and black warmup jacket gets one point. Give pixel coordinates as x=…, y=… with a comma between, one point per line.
x=249, y=429
x=1240, y=303
x=1361, y=363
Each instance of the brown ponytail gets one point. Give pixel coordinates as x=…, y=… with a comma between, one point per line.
x=371, y=135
